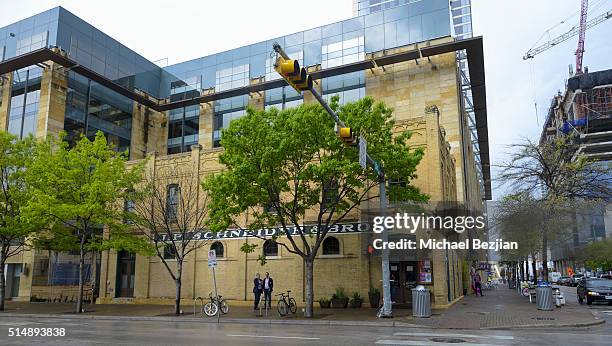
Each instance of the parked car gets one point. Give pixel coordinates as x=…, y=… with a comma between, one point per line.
x=594, y=289
x=605, y=276
x=565, y=280
x=576, y=279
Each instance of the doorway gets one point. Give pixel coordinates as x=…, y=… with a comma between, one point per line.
x=403, y=280
x=13, y=277
x=126, y=268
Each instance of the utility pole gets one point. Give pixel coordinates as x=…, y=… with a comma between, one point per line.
x=299, y=79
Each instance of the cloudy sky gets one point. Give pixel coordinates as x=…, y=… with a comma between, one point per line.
x=181, y=30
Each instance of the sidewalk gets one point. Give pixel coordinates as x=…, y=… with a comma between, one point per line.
x=504, y=308
x=498, y=309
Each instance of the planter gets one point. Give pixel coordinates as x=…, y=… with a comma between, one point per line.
x=356, y=303
x=339, y=303
x=374, y=300
x=325, y=304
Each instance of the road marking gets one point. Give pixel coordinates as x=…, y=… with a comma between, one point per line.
x=499, y=337
x=424, y=343
x=272, y=336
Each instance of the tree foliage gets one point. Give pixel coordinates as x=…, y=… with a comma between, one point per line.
x=288, y=167
x=599, y=254
x=79, y=191
x=15, y=226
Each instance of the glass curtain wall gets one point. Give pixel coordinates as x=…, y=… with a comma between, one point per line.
x=91, y=107
x=25, y=96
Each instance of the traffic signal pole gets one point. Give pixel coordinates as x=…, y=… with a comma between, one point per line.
x=386, y=310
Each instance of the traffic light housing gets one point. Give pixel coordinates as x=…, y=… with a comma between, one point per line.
x=295, y=75
x=347, y=135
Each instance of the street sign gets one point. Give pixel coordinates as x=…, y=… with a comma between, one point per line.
x=363, y=152
x=212, y=258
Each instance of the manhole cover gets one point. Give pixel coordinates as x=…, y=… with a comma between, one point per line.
x=543, y=318
x=448, y=340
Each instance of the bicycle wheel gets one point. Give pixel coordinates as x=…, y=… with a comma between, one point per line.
x=282, y=307
x=224, y=306
x=292, y=306
x=210, y=309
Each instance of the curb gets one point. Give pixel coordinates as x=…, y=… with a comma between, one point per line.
x=393, y=324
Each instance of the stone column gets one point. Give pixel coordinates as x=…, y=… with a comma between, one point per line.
x=206, y=128
x=52, y=104
x=5, y=99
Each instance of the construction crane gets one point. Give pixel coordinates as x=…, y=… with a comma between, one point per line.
x=584, y=6
x=579, y=30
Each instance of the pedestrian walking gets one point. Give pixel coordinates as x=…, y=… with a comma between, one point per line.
x=257, y=289
x=268, y=287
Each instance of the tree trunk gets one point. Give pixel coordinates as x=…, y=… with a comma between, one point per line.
x=79, y=307
x=526, y=269
x=521, y=271
x=178, y=283
x=534, y=269
x=2, y=281
x=309, y=310
x=545, y=255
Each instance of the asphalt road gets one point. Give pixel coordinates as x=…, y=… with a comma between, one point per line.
x=105, y=332
x=90, y=332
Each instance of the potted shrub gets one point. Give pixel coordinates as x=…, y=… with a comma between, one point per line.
x=356, y=301
x=324, y=303
x=339, y=299
x=374, y=297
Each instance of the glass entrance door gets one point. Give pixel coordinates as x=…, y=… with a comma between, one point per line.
x=126, y=268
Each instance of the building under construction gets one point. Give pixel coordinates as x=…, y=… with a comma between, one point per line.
x=583, y=110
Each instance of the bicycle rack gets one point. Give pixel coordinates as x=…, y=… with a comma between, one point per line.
x=201, y=305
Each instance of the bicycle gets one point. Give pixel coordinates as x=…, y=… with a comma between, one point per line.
x=212, y=307
x=286, y=304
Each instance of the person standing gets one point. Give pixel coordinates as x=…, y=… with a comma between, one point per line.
x=268, y=286
x=478, y=283
x=257, y=289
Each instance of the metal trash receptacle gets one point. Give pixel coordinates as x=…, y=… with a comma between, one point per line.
x=421, y=303
x=544, y=297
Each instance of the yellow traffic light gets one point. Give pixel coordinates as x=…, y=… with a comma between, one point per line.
x=297, y=77
x=347, y=135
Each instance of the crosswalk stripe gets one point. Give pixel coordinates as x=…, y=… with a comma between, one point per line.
x=498, y=337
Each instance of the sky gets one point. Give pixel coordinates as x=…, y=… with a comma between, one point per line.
x=176, y=31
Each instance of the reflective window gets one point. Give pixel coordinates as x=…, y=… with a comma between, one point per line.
x=25, y=97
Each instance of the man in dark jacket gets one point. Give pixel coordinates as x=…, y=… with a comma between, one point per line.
x=268, y=286
x=257, y=290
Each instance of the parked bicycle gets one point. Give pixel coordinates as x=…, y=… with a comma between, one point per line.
x=286, y=304
x=212, y=307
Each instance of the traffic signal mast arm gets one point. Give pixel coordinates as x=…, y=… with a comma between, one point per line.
x=299, y=79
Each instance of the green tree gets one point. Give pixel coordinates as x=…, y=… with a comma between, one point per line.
x=282, y=165
x=77, y=191
x=15, y=227
x=558, y=178
x=599, y=254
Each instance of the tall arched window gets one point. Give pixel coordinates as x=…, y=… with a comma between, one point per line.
x=270, y=248
x=331, y=246
x=218, y=247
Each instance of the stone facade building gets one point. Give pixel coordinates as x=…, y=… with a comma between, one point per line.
x=61, y=74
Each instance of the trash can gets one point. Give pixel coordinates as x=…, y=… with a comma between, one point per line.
x=421, y=305
x=544, y=297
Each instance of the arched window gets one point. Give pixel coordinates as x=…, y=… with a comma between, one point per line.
x=218, y=247
x=331, y=246
x=270, y=248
